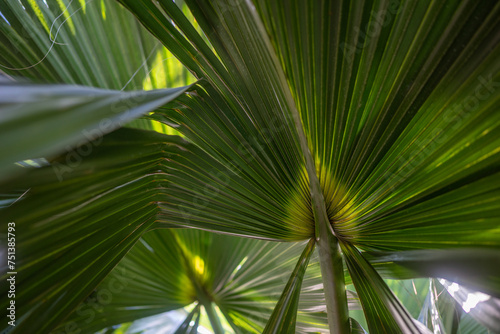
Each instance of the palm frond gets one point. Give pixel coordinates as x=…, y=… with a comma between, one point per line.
x=170, y=269
x=369, y=126
x=77, y=115
x=66, y=250
x=90, y=43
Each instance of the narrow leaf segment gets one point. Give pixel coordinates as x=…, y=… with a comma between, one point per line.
x=285, y=313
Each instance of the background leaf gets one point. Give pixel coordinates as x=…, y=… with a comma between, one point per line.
x=96, y=214
x=90, y=43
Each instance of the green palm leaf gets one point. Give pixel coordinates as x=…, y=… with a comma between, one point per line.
x=91, y=43
x=383, y=310
x=77, y=114
x=371, y=127
x=81, y=184
x=85, y=230
x=469, y=267
x=362, y=144
x=483, y=308
x=284, y=315
x=170, y=269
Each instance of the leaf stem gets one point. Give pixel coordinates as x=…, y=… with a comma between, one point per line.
x=212, y=314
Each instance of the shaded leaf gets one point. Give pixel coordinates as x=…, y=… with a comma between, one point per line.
x=186, y=327
x=356, y=328
x=469, y=267
x=283, y=318
x=101, y=208
x=167, y=268
x=485, y=309
x=91, y=43
x=59, y=118
x=383, y=311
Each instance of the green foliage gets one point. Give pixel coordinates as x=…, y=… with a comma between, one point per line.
x=366, y=128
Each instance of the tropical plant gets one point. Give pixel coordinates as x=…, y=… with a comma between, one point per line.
x=345, y=153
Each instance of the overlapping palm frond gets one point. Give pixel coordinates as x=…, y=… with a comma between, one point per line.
x=369, y=127
x=59, y=154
